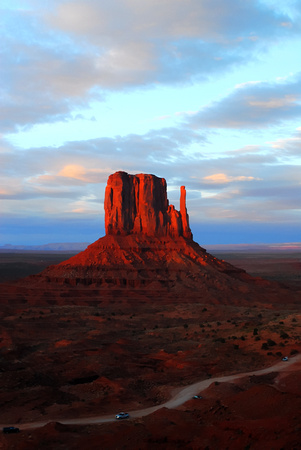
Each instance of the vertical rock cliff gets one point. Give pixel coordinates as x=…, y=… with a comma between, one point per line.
x=138, y=204
x=148, y=252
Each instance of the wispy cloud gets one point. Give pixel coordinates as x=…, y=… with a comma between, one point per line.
x=68, y=53
x=253, y=105
x=222, y=178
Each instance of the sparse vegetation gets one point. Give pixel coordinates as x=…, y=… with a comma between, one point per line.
x=152, y=345
x=284, y=335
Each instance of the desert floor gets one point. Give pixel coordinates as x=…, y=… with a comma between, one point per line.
x=70, y=361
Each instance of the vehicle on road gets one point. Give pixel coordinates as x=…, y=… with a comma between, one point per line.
x=197, y=396
x=122, y=415
x=10, y=430
x=285, y=358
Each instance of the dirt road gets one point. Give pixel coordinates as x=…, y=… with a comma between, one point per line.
x=179, y=396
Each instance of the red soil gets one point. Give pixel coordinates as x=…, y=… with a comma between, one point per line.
x=120, y=325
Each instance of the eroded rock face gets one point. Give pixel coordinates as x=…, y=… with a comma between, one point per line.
x=147, y=253
x=138, y=204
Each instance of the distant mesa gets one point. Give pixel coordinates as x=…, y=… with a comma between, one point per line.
x=138, y=204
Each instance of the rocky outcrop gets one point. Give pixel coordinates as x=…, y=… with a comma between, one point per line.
x=147, y=254
x=138, y=204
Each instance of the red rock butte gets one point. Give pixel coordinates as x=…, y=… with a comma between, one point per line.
x=147, y=253
x=138, y=204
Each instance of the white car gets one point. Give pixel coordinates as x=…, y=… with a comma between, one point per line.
x=285, y=358
x=122, y=415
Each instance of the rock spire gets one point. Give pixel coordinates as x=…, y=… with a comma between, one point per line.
x=138, y=204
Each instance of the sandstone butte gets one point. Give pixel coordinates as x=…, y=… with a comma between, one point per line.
x=138, y=204
x=148, y=252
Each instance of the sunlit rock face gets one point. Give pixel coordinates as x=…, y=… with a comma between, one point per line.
x=147, y=252
x=138, y=204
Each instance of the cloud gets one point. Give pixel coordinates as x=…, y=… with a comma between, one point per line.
x=71, y=175
x=253, y=105
x=71, y=179
x=74, y=171
x=68, y=53
x=59, y=58
x=289, y=147
x=222, y=178
x=272, y=103
x=251, y=183
x=206, y=19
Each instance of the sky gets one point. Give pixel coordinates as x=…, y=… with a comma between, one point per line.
x=204, y=93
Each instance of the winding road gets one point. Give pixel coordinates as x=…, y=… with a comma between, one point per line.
x=179, y=396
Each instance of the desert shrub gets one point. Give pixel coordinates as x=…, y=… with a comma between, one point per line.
x=204, y=309
x=294, y=319
x=281, y=322
x=242, y=338
x=255, y=331
x=257, y=338
x=279, y=354
x=294, y=352
x=284, y=335
x=235, y=346
x=221, y=339
x=185, y=325
x=271, y=343
x=264, y=346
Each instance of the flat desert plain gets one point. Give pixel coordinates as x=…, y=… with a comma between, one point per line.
x=67, y=367
x=281, y=266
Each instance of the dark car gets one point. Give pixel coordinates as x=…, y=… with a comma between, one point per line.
x=10, y=430
x=122, y=415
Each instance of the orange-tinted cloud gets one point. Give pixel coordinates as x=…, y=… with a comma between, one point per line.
x=221, y=178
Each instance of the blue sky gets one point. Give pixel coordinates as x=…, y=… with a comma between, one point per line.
x=205, y=93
